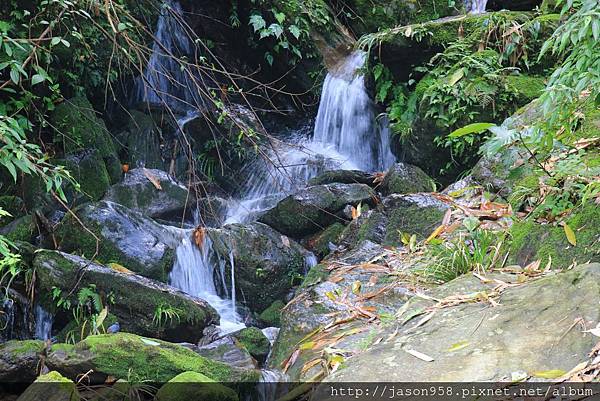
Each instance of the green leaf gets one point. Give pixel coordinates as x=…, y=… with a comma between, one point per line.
x=14, y=75
x=257, y=22
x=55, y=41
x=549, y=374
x=294, y=30
x=457, y=76
x=121, y=27
x=276, y=29
x=475, y=128
x=280, y=17
x=36, y=79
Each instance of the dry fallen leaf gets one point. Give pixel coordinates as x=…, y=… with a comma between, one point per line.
x=570, y=234
x=420, y=355
x=199, y=235
x=152, y=179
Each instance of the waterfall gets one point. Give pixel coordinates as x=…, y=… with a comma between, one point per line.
x=475, y=6
x=194, y=273
x=166, y=80
x=43, y=323
x=346, y=118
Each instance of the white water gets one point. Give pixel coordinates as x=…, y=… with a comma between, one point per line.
x=164, y=80
x=475, y=6
x=43, y=323
x=347, y=136
x=194, y=273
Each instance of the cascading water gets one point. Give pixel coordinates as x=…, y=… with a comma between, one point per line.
x=194, y=274
x=165, y=81
x=347, y=135
x=43, y=323
x=475, y=6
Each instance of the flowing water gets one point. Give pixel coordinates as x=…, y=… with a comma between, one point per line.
x=475, y=6
x=43, y=323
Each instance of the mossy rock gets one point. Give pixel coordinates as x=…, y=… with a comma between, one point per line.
x=526, y=87
x=135, y=299
x=89, y=171
x=342, y=177
x=78, y=128
x=255, y=342
x=19, y=360
x=126, y=237
x=51, y=387
x=314, y=208
x=531, y=241
x=194, y=386
x=319, y=243
x=22, y=229
x=315, y=275
x=272, y=315
x=13, y=205
x=404, y=178
x=138, y=359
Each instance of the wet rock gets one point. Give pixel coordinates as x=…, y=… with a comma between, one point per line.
x=418, y=214
x=137, y=359
x=136, y=299
x=137, y=192
x=343, y=177
x=314, y=208
x=404, y=178
x=13, y=205
x=21, y=229
x=194, y=386
x=142, y=139
x=89, y=171
x=51, y=387
x=19, y=360
x=126, y=237
x=255, y=342
x=272, y=315
x=212, y=211
x=326, y=241
x=226, y=350
x=528, y=331
x=266, y=262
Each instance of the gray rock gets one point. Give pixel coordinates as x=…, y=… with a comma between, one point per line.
x=126, y=237
x=316, y=207
x=404, y=178
x=19, y=360
x=136, y=299
x=137, y=192
x=226, y=350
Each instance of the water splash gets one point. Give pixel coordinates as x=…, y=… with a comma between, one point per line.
x=194, y=274
x=43, y=323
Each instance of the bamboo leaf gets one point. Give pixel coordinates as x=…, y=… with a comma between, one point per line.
x=570, y=234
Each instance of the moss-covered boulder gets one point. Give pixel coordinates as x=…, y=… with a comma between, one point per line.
x=51, y=387
x=19, y=360
x=316, y=207
x=255, y=342
x=79, y=128
x=267, y=264
x=21, y=229
x=136, y=192
x=404, y=178
x=531, y=241
x=321, y=243
x=271, y=316
x=229, y=351
x=135, y=300
x=12, y=205
x=141, y=141
x=194, y=386
x=137, y=359
x=418, y=214
x=125, y=237
x=89, y=171
x=527, y=333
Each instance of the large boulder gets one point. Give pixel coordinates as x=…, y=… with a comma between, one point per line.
x=342, y=177
x=171, y=201
x=255, y=342
x=135, y=300
x=526, y=334
x=316, y=207
x=125, y=237
x=19, y=360
x=227, y=350
x=137, y=359
x=404, y=178
x=89, y=171
x=266, y=262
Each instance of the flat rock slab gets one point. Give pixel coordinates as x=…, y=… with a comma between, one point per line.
x=533, y=330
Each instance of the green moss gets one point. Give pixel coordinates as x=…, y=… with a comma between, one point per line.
x=22, y=229
x=272, y=315
x=531, y=241
x=254, y=341
x=414, y=219
x=194, y=386
x=89, y=170
x=330, y=234
x=61, y=389
x=526, y=87
x=16, y=347
x=128, y=356
x=315, y=275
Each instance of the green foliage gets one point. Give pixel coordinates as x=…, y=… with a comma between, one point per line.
x=164, y=315
x=475, y=249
